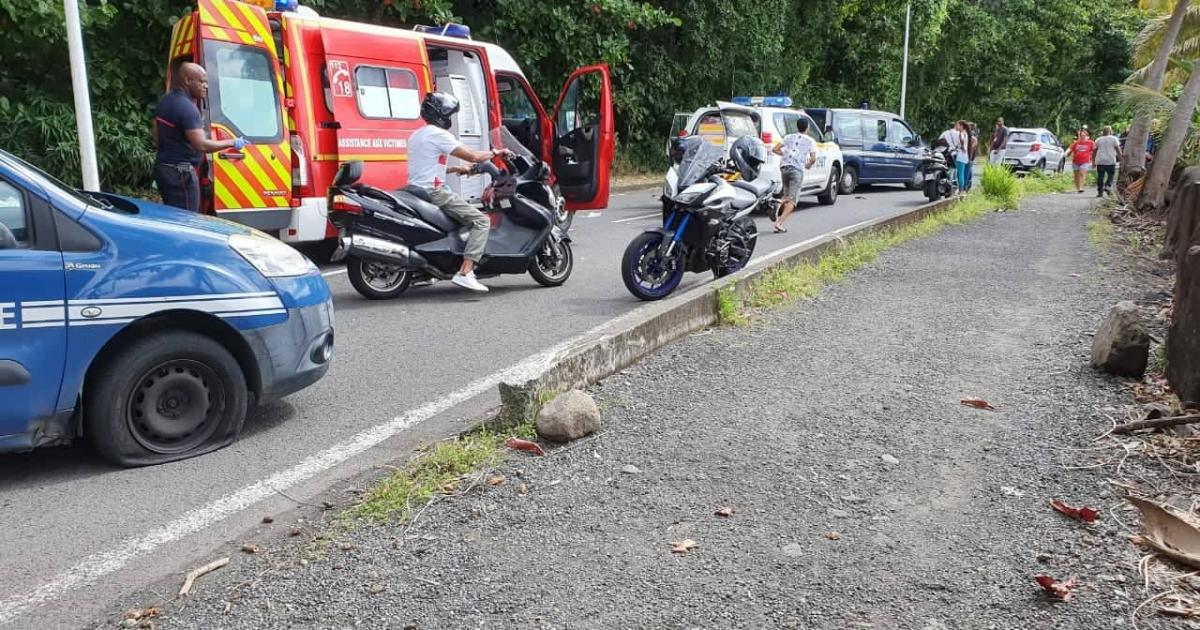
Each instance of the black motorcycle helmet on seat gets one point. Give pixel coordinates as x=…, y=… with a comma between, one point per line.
x=748, y=154
x=437, y=108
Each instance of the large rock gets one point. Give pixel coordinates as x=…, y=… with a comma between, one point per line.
x=1122, y=345
x=568, y=417
x=1183, y=338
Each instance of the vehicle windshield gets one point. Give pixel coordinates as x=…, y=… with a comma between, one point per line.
x=1022, y=136
x=49, y=181
x=698, y=159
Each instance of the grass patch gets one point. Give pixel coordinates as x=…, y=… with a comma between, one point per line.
x=728, y=313
x=805, y=279
x=1000, y=185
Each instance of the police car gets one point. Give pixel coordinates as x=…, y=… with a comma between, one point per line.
x=145, y=329
x=770, y=118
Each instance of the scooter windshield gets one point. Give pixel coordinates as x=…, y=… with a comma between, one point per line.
x=699, y=156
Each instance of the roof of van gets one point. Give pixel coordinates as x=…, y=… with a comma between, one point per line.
x=854, y=110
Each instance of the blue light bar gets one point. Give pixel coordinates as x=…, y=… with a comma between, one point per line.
x=286, y=5
x=448, y=30
x=763, y=101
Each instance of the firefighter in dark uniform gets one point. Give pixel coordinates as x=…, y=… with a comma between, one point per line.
x=179, y=136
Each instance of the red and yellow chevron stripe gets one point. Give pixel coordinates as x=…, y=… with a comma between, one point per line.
x=261, y=179
x=228, y=20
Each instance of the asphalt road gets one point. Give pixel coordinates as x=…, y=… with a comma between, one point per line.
x=76, y=533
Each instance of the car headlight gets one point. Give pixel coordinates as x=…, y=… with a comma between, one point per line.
x=271, y=257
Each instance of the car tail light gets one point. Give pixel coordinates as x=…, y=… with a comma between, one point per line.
x=766, y=137
x=1037, y=146
x=683, y=133
x=300, y=165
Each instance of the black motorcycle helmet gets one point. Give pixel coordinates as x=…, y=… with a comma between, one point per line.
x=748, y=154
x=437, y=108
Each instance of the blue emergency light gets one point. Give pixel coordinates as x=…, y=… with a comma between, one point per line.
x=763, y=101
x=287, y=5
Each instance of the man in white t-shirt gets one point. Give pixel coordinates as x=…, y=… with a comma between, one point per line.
x=428, y=150
x=799, y=153
x=1106, y=158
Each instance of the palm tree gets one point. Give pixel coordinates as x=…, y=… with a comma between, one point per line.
x=1164, y=34
x=1155, y=188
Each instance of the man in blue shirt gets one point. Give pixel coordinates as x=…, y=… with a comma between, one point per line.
x=178, y=134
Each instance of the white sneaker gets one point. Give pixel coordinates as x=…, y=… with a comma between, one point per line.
x=468, y=281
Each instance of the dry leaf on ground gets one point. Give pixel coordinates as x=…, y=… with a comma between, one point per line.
x=524, y=445
x=249, y=548
x=521, y=489
x=978, y=403
x=1167, y=533
x=725, y=511
x=1056, y=590
x=496, y=480
x=1085, y=514
x=684, y=546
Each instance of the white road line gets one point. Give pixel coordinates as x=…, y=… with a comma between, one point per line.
x=99, y=565
x=638, y=218
x=334, y=272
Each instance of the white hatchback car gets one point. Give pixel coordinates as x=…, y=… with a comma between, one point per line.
x=1034, y=149
x=770, y=119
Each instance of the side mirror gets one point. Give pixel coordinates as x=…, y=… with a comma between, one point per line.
x=7, y=239
x=916, y=142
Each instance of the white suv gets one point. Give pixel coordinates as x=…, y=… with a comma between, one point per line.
x=726, y=122
x=1034, y=149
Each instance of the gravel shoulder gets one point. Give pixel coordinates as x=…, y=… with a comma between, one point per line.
x=864, y=494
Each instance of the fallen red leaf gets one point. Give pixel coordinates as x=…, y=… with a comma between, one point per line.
x=1055, y=589
x=978, y=403
x=524, y=445
x=1085, y=514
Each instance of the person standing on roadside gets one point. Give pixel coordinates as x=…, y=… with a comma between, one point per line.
x=1081, y=153
x=799, y=153
x=1106, y=157
x=178, y=135
x=972, y=152
x=999, y=143
x=954, y=139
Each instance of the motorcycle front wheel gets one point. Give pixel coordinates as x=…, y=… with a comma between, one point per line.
x=931, y=190
x=646, y=273
x=553, y=264
x=376, y=280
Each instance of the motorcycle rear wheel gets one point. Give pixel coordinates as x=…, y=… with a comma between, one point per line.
x=553, y=264
x=642, y=268
x=377, y=280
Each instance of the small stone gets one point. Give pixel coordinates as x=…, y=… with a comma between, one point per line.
x=630, y=469
x=889, y=459
x=569, y=416
x=346, y=546
x=834, y=536
x=793, y=550
x=376, y=589
x=296, y=531
x=268, y=519
x=410, y=626
x=338, y=566
x=1111, y=578
x=1121, y=345
x=1044, y=557
x=303, y=562
x=249, y=548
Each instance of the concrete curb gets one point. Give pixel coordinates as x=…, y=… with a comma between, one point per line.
x=625, y=340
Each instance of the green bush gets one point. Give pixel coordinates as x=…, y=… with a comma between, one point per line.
x=1000, y=185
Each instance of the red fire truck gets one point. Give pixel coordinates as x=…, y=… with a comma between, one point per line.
x=310, y=92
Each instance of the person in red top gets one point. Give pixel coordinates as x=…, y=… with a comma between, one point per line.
x=1081, y=151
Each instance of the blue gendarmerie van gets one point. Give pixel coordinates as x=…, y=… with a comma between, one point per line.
x=145, y=329
x=878, y=147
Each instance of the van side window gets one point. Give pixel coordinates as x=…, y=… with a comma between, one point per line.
x=326, y=88
x=900, y=133
x=848, y=128
x=881, y=129
x=514, y=102
x=387, y=93
x=1048, y=139
x=814, y=131
x=13, y=213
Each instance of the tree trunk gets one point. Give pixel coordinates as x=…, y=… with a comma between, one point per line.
x=1183, y=338
x=1164, y=159
x=1135, y=144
